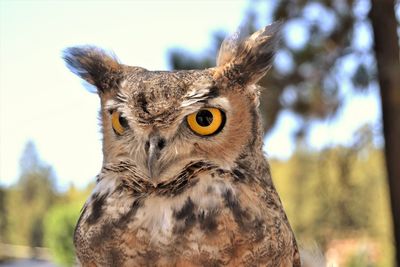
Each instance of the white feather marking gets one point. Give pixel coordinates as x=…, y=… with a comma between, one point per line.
x=110, y=104
x=222, y=102
x=198, y=92
x=107, y=184
x=123, y=83
x=193, y=96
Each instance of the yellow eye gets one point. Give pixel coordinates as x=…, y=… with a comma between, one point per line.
x=207, y=121
x=119, y=123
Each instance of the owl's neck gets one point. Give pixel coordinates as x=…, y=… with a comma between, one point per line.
x=253, y=165
x=252, y=160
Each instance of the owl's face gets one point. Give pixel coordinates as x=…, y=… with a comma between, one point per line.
x=161, y=121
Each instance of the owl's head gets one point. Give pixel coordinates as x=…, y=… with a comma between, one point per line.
x=161, y=121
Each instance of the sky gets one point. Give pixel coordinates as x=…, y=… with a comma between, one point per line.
x=41, y=101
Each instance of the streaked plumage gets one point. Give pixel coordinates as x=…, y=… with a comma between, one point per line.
x=167, y=196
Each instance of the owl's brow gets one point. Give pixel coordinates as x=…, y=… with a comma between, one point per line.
x=213, y=92
x=113, y=104
x=218, y=102
x=110, y=104
x=200, y=95
x=196, y=95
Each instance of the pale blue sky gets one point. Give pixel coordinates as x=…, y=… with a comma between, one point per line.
x=41, y=100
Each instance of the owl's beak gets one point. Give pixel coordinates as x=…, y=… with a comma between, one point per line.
x=154, y=146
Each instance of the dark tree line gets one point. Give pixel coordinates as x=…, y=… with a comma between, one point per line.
x=386, y=46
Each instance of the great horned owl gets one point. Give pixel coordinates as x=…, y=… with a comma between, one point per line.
x=184, y=180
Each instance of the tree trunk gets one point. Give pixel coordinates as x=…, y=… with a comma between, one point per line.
x=387, y=56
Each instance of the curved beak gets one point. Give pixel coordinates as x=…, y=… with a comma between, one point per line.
x=154, y=146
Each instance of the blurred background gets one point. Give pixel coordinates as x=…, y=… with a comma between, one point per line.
x=321, y=106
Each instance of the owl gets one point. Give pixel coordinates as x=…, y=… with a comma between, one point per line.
x=184, y=180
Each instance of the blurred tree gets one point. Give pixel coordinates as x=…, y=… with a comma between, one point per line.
x=386, y=45
x=319, y=39
x=338, y=193
x=59, y=224
x=29, y=200
x=3, y=214
x=59, y=229
x=359, y=260
x=180, y=59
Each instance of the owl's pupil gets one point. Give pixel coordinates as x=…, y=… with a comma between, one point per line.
x=204, y=118
x=123, y=122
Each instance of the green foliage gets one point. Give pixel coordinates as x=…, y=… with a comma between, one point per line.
x=60, y=223
x=35, y=214
x=29, y=200
x=59, y=228
x=359, y=260
x=3, y=214
x=335, y=194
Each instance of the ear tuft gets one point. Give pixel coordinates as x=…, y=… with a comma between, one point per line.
x=247, y=60
x=230, y=45
x=95, y=66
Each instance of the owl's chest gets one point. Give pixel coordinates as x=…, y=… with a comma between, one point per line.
x=210, y=223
